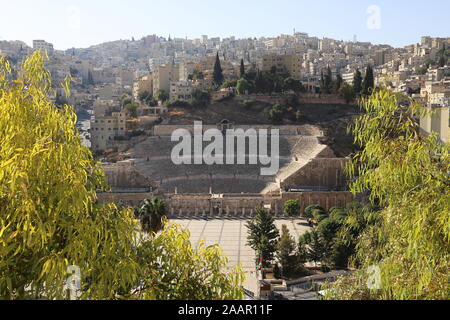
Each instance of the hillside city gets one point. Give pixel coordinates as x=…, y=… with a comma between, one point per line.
x=290, y=233
x=104, y=73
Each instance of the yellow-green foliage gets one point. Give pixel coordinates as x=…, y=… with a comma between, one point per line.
x=49, y=218
x=408, y=176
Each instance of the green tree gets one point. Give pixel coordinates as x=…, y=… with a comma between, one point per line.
x=338, y=213
x=292, y=208
x=309, y=210
x=132, y=109
x=243, y=86
x=143, y=96
x=200, y=98
x=302, y=248
x=262, y=83
x=218, y=72
x=292, y=84
x=347, y=92
x=90, y=79
x=276, y=114
x=406, y=175
x=319, y=215
x=197, y=75
x=125, y=99
x=286, y=253
x=338, y=84
x=263, y=235
x=161, y=95
x=442, y=61
x=369, y=82
x=242, y=69
x=50, y=217
x=357, y=82
x=152, y=215
x=229, y=83
x=422, y=70
x=328, y=81
x=317, y=249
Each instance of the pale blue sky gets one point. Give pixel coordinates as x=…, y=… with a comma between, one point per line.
x=81, y=23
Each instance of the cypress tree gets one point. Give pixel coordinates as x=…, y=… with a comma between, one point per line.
x=357, y=82
x=328, y=80
x=322, y=82
x=317, y=250
x=369, y=82
x=442, y=61
x=218, y=73
x=338, y=83
x=286, y=253
x=242, y=68
x=263, y=235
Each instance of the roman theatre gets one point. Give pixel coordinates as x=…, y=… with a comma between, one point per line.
x=309, y=171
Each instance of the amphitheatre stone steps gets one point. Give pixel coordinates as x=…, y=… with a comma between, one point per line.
x=155, y=147
x=217, y=186
x=152, y=159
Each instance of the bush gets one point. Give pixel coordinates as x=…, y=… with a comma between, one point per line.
x=319, y=215
x=248, y=103
x=162, y=96
x=243, y=86
x=132, y=109
x=292, y=208
x=338, y=213
x=328, y=228
x=229, y=83
x=180, y=104
x=309, y=210
x=137, y=133
x=276, y=114
x=277, y=272
x=200, y=98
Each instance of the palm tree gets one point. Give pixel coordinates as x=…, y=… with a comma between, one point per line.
x=152, y=214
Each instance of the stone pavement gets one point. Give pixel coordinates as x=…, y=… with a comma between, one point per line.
x=231, y=235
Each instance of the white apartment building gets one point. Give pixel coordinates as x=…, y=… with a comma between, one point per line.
x=348, y=77
x=43, y=46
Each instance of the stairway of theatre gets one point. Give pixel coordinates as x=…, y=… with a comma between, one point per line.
x=153, y=159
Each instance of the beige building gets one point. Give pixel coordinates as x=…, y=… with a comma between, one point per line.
x=145, y=83
x=437, y=121
x=181, y=91
x=437, y=97
x=289, y=63
x=107, y=128
x=186, y=69
x=104, y=107
x=163, y=76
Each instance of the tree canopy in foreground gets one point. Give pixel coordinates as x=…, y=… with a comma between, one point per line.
x=50, y=218
x=407, y=176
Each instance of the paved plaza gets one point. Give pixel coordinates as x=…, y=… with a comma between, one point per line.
x=231, y=234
